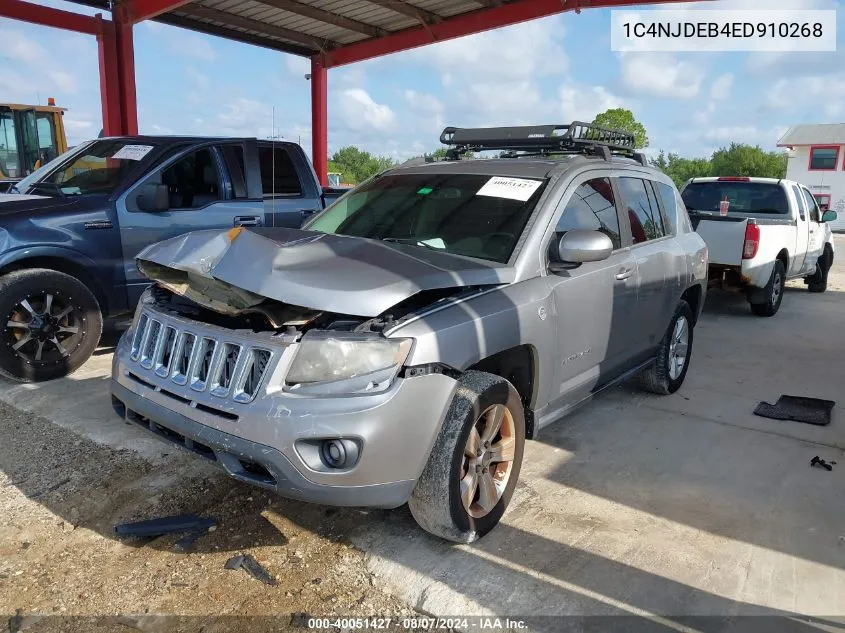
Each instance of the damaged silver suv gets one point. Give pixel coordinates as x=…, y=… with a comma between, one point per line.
x=403, y=345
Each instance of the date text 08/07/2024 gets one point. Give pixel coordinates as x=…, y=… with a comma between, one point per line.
x=417, y=623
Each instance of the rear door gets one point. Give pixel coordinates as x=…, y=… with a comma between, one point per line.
x=203, y=194
x=651, y=250
x=802, y=233
x=592, y=301
x=288, y=185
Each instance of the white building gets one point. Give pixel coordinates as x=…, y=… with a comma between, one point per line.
x=817, y=160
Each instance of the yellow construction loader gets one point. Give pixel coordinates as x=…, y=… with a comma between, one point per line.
x=30, y=135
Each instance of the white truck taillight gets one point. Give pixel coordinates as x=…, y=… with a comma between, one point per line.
x=752, y=240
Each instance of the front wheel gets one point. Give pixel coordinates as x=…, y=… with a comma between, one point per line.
x=773, y=292
x=51, y=324
x=474, y=465
x=667, y=373
x=817, y=282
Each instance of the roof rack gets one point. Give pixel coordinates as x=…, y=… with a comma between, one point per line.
x=576, y=138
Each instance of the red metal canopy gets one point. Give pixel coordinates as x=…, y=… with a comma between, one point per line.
x=330, y=32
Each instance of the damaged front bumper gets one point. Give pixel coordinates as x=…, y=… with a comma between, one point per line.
x=219, y=393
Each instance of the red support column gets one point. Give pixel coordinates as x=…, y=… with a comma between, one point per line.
x=109, y=79
x=319, y=120
x=126, y=69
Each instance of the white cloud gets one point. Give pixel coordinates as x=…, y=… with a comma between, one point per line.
x=822, y=93
x=583, y=103
x=360, y=111
x=296, y=65
x=531, y=49
x=77, y=125
x=200, y=80
x=720, y=90
x=64, y=81
x=660, y=75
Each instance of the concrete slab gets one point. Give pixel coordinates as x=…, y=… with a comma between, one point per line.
x=637, y=504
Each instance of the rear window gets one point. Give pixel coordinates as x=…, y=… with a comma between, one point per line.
x=744, y=197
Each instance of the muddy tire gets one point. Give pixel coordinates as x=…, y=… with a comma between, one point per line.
x=817, y=282
x=51, y=325
x=773, y=292
x=670, y=367
x=463, y=490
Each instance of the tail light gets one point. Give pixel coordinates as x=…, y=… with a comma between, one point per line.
x=752, y=241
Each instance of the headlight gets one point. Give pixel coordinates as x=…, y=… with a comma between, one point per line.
x=346, y=362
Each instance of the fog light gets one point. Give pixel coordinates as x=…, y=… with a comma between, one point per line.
x=339, y=453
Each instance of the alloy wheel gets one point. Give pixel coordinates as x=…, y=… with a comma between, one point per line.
x=678, y=348
x=488, y=460
x=45, y=328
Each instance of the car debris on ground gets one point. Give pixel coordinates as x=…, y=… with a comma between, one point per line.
x=820, y=463
x=195, y=525
x=252, y=567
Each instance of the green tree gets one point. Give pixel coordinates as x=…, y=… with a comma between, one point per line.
x=356, y=165
x=747, y=160
x=622, y=119
x=681, y=169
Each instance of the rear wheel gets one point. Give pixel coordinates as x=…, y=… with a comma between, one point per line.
x=773, y=292
x=474, y=464
x=51, y=324
x=667, y=373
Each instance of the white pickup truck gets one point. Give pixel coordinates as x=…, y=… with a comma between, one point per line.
x=760, y=232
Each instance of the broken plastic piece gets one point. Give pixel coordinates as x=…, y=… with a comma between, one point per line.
x=166, y=525
x=818, y=461
x=252, y=567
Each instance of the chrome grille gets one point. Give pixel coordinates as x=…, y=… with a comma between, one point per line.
x=203, y=362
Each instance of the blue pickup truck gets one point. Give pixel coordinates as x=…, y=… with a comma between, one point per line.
x=70, y=231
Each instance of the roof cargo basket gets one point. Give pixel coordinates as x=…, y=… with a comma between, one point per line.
x=533, y=140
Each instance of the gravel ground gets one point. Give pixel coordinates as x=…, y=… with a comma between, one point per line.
x=61, y=495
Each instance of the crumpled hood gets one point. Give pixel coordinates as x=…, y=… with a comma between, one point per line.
x=332, y=273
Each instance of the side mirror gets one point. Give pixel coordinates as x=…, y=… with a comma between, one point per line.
x=153, y=197
x=579, y=246
x=829, y=216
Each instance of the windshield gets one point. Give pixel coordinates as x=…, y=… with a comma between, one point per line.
x=743, y=197
x=97, y=168
x=462, y=214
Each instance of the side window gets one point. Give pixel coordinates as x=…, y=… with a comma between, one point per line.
x=47, y=149
x=233, y=155
x=193, y=181
x=815, y=213
x=278, y=174
x=800, y=201
x=646, y=223
x=10, y=165
x=592, y=207
x=670, y=206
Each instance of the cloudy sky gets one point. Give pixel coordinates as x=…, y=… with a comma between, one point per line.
x=552, y=70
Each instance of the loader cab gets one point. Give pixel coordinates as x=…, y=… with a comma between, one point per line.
x=30, y=136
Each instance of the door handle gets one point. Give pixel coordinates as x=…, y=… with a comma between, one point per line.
x=307, y=213
x=247, y=220
x=624, y=273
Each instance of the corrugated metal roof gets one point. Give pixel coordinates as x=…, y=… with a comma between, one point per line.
x=819, y=134
x=307, y=27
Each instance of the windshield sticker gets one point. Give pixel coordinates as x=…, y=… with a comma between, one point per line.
x=425, y=191
x=434, y=242
x=511, y=188
x=132, y=152
x=724, y=205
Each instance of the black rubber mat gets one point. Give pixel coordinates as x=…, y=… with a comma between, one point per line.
x=798, y=409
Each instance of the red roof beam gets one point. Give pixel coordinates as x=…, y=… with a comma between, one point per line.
x=47, y=16
x=466, y=24
x=139, y=10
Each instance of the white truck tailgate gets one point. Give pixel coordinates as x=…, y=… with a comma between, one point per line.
x=724, y=238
